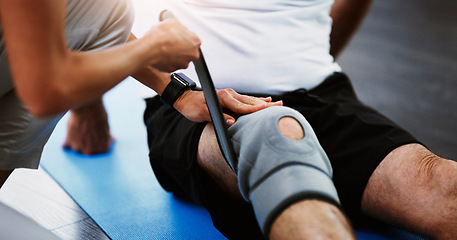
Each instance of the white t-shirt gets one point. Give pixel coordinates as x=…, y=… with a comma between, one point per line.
x=253, y=46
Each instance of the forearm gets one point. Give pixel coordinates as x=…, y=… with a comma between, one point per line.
x=78, y=77
x=347, y=16
x=150, y=76
x=50, y=78
x=94, y=106
x=93, y=73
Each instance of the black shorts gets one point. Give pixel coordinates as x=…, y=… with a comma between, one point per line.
x=355, y=137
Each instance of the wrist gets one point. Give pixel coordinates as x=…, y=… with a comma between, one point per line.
x=178, y=85
x=180, y=103
x=94, y=110
x=89, y=107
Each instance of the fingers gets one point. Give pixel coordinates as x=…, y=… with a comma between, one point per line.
x=192, y=105
x=250, y=100
x=267, y=99
x=243, y=104
x=229, y=120
x=88, y=147
x=178, y=45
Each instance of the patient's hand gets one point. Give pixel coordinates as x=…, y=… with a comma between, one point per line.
x=88, y=129
x=192, y=105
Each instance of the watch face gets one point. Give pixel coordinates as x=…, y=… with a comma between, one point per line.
x=184, y=80
x=180, y=80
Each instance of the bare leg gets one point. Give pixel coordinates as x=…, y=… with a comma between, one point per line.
x=4, y=174
x=311, y=219
x=415, y=189
x=211, y=160
x=307, y=219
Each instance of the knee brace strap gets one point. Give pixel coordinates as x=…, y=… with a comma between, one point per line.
x=275, y=171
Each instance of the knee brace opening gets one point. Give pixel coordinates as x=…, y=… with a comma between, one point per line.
x=291, y=128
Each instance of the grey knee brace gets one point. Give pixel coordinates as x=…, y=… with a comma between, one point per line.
x=275, y=171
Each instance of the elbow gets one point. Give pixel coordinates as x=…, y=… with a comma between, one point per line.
x=42, y=101
x=41, y=110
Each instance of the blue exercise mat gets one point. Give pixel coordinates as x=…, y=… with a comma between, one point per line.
x=119, y=191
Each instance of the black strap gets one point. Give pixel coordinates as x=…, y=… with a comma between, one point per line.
x=215, y=110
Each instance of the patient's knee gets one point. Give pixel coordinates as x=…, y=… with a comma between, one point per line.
x=291, y=128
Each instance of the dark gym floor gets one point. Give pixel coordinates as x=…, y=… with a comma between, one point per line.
x=403, y=62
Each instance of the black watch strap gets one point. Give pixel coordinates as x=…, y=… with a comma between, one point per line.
x=178, y=84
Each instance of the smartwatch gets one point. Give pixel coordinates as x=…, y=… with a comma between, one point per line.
x=178, y=84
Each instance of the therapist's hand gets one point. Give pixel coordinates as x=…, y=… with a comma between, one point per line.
x=192, y=105
x=173, y=46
